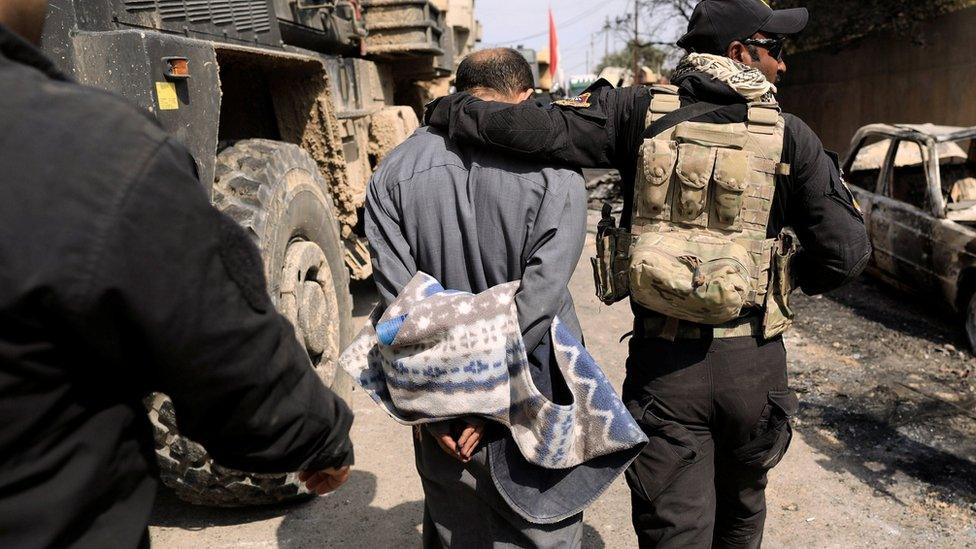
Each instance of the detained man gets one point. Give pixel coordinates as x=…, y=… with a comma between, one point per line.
x=473, y=220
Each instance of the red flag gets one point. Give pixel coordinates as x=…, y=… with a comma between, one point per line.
x=553, y=47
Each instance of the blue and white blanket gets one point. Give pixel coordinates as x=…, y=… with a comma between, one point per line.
x=436, y=354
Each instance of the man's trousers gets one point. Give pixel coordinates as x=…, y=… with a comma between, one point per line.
x=462, y=507
x=716, y=412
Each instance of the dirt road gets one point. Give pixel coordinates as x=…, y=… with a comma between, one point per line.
x=885, y=452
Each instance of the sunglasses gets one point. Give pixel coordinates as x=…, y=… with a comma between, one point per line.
x=773, y=45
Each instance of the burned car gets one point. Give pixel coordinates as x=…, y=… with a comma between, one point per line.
x=916, y=185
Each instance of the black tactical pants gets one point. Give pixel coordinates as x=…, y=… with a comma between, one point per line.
x=716, y=413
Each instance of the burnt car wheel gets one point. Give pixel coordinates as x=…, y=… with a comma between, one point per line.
x=276, y=192
x=971, y=322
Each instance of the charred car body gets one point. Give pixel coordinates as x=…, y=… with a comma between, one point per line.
x=286, y=106
x=916, y=185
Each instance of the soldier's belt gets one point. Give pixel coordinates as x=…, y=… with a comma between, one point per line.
x=672, y=328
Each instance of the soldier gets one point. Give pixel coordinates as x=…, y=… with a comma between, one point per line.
x=714, y=175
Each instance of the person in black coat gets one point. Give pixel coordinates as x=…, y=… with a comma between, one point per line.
x=118, y=278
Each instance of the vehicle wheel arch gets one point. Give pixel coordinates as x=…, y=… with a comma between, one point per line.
x=965, y=288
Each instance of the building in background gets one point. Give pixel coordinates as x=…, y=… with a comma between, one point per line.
x=919, y=68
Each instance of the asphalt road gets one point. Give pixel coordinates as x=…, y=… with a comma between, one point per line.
x=875, y=462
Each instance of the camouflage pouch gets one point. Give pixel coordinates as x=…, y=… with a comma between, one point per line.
x=691, y=275
x=611, y=261
x=779, y=316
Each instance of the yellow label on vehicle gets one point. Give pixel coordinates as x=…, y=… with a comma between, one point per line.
x=166, y=94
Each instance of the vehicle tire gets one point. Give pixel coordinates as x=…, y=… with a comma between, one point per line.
x=971, y=322
x=276, y=192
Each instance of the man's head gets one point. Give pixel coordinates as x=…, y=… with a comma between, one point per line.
x=748, y=31
x=24, y=17
x=499, y=74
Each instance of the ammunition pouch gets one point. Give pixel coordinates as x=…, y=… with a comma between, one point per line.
x=612, y=258
x=779, y=316
x=691, y=275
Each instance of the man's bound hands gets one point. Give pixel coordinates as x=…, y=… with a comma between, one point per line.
x=461, y=441
x=324, y=481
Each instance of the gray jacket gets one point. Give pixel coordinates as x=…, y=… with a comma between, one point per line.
x=473, y=218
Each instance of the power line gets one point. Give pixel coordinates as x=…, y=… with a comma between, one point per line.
x=576, y=65
x=571, y=21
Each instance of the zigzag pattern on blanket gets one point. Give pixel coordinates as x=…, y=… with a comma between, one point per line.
x=446, y=354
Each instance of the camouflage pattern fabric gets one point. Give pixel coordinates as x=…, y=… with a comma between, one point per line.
x=702, y=199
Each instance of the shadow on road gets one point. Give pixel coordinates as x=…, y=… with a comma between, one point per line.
x=343, y=519
x=591, y=538
x=877, y=453
x=924, y=317
x=347, y=518
x=171, y=512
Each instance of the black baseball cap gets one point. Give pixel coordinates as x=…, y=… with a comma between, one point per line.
x=717, y=23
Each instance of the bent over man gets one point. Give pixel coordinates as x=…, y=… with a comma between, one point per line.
x=713, y=176
x=472, y=219
x=118, y=278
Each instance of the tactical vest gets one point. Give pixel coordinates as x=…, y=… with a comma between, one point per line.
x=697, y=247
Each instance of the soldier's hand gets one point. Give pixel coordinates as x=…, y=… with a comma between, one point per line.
x=324, y=481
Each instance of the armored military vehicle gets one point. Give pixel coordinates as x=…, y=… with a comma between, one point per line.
x=286, y=106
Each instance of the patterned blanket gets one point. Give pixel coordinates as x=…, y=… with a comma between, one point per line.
x=436, y=354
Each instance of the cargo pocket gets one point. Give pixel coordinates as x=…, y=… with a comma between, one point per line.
x=731, y=182
x=670, y=448
x=694, y=166
x=656, y=167
x=771, y=436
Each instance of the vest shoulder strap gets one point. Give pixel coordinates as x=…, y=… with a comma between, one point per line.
x=663, y=125
x=669, y=89
x=765, y=121
x=664, y=100
x=763, y=118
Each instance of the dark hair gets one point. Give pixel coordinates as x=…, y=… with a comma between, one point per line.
x=753, y=51
x=501, y=69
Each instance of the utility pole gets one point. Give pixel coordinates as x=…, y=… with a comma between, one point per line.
x=606, y=38
x=636, y=67
x=589, y=52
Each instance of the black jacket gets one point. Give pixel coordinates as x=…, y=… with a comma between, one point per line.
x=605, y=129
x=113, y=283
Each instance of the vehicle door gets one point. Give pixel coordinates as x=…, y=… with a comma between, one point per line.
x=903, y=220
x=863, y=171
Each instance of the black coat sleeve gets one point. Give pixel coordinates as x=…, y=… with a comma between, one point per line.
x=584, y=134
x=175, y=289
x=822, y=212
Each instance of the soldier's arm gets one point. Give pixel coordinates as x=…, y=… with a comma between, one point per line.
x=821, y=210
x=174, y=300
x=582, y=133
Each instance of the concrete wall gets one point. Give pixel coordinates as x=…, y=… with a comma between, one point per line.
x=885, y=78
